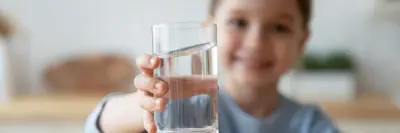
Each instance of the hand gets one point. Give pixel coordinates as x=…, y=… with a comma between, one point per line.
x=151, y=91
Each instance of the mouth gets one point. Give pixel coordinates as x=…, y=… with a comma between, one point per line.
x=254, y=63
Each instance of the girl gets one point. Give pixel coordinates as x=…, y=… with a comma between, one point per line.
x=258, y=41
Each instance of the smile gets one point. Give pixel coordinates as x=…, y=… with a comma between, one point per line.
x=253, y=63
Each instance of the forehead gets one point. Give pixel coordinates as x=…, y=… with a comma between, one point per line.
x=260, y=8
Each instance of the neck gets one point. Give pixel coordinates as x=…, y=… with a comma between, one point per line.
x=257, y=101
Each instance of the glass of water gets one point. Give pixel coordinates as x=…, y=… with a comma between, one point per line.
x=186, y=49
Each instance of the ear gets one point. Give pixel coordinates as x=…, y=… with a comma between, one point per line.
x=302, y=46
x=304, y=40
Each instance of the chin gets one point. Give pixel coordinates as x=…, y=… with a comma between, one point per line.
x=255, y=80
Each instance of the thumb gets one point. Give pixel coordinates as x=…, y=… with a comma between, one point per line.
x=148, y=122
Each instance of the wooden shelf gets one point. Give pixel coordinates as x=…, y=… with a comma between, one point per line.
x=59, y=108
x=366, y=106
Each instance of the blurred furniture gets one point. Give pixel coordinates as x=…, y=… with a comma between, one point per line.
x=318, y=73
x=94, y=73
x=368, y=112
x=7, y=28
x=387, y=9
x=6, y=31
x=5, y=74
x=46, y=114
x=311, y=87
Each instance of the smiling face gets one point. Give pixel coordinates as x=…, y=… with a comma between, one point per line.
x=258, y=40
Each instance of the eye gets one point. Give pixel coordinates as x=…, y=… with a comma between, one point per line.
x=280, y=28
x=238, y=23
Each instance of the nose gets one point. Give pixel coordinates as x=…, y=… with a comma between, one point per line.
x=257, y=41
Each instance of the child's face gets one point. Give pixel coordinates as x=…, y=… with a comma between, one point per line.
x=258, y=40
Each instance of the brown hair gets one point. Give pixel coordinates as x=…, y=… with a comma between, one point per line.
x=304, y=7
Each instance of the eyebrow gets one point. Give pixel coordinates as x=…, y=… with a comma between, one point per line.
x=236, y=12
x=286, y=16
x=283, y=16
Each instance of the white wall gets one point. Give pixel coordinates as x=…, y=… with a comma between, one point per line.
x=351, y=24
x=65, y=27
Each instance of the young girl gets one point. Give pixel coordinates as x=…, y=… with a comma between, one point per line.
x=258, y=41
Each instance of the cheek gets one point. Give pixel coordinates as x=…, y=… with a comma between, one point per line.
x=286, y=55
x=228, y=44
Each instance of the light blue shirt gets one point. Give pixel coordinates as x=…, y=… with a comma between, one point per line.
x=290, y=117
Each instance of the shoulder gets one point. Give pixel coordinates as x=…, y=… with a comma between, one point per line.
x=310, y=119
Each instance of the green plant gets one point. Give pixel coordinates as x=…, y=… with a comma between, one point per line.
x=334, y=61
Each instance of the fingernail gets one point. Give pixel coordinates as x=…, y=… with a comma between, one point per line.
x=147, y=126
x=158, y=86
x=153, y=60
x=156, y=102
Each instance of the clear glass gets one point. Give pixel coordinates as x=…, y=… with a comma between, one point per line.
x=186, y=49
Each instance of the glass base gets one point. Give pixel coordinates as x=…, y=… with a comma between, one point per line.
x=191, y=130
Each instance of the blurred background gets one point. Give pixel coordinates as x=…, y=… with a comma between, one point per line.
x=58, y=58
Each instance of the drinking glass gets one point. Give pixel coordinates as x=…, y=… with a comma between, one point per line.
x=186, y=49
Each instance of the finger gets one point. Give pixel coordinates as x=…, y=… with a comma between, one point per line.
x=152, y=103
x=147, y=63
x=148, y=121
x=150, y=84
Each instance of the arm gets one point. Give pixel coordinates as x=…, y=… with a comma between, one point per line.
x=114, y=115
